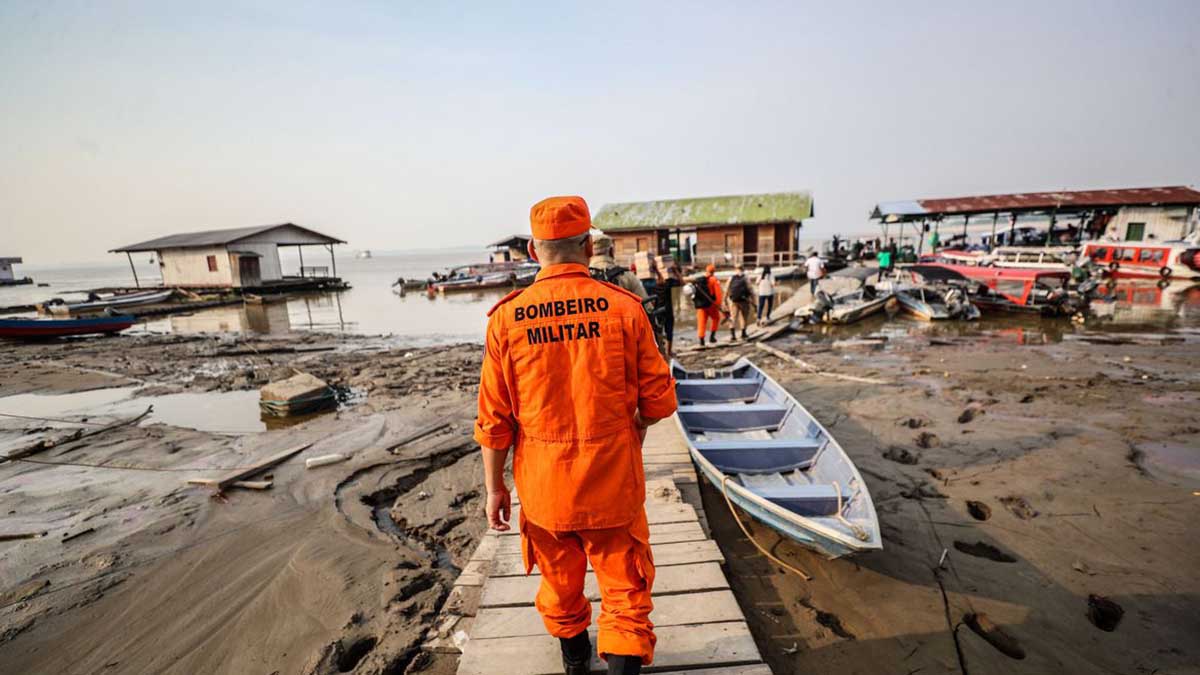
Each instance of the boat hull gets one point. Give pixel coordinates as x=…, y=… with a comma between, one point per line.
x=774, y=461
x=35, y=329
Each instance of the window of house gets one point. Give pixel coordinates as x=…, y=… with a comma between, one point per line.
x=641, y=244
x=212, y=263
x=729, y=243
x=1135, y=231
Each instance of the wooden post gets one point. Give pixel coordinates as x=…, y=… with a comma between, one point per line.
x=332, y=260
x=300, y=250
x=992, y=241
x=1012, y=228
x=966, y=219
x=1050, y=232
x=133, y=269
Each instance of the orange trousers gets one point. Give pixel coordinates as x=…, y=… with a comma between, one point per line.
x=624, y=568
x=711, y=314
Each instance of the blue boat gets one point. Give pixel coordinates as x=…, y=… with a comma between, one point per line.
x=40, y=329
x=774, y=460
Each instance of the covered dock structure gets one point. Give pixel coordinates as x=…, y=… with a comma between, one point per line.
x=1123, y=214
x=241, y=258
x=753, y=229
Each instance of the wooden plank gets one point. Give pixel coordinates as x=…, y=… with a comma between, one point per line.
x=813, y=369
x=708, y=645
x=667, y=533
x=77, y=435
x=508, y=591
x=418, y=435
x=16, y=536
x=261, y=465
x=669, y=610
x=246, y=484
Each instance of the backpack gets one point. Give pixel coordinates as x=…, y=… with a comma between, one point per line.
x=739, y=290
x=700, y=297
x=609, y=275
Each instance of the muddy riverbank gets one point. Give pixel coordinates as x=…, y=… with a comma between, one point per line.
x=1026, y=489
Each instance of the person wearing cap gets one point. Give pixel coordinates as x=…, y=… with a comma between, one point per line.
x=604, y=266
x=571, y=380
x=709, y=314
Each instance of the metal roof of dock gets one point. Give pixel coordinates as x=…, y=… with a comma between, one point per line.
x=511, y=241
x=779, y=207
x=1029, y=202
x=225, y=237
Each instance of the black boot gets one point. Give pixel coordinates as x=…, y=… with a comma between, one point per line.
x=701, y=340
x=576, y=654
x=733, y=335
x=624, y=665
x=743, y=333
x=712, y=337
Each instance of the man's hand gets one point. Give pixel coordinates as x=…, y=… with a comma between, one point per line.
x=499, y=509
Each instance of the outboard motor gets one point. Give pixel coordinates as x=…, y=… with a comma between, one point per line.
x=821, y=306
x=956, y=302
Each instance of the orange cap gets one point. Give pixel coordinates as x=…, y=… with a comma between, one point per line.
x=711, y=268
x=559, y=218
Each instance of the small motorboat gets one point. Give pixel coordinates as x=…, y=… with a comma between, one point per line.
x=98, y=303
x=473, y=283
x=1010, y=289
x=845, y=299
x=34, y=329
x=945, y=301
x=769, y=456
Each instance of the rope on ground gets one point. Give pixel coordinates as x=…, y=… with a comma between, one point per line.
x=728, y=502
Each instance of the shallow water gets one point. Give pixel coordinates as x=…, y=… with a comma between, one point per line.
x=218, y=411
x=371, y=307
x=1171, y=462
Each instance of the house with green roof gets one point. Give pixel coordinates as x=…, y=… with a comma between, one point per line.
x=751, y=229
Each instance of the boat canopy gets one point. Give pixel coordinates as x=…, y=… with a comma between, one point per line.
x=937, y=273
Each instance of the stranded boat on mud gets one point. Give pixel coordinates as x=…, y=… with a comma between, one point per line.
x=769, y=456
x=34, y=329
x=98, y=303
x=999, y=289
x=845, y=297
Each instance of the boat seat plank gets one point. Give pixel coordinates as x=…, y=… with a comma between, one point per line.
x=732, y=416
x=805, y=500
x=759, y=457
x=717, y=390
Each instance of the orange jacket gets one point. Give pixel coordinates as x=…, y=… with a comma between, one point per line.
x=568, y=362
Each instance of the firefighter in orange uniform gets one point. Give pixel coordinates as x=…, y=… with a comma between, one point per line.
x=711, y=314
x=571, y=379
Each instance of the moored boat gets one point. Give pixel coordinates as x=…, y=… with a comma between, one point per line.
x=32, y=329
x=845, y=298
x=99, y=303
x=769, y=456
x=1010, y=289
x=936, y=304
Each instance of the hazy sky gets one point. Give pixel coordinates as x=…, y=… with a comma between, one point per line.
x=398, y=127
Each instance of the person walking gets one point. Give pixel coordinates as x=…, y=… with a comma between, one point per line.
x=706, y=297
x=571, y=380
x=737, y=295
x=766, y=295
x=884, y=258
x=814, y=269
x=604, y=267
x=664, y=306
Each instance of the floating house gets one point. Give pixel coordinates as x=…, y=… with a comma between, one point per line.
x=8, y=277
x=1126, y=214
x=246, y=257
x=510, y=249
x=750, y=229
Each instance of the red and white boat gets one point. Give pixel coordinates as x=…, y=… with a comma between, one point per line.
x=1009, y=289
x=1146, y=260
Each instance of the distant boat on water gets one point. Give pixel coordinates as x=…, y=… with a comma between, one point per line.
x=363, y=254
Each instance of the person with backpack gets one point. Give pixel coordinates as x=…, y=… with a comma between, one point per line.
x=737, y=294
x=705, y=292
x=603, y=267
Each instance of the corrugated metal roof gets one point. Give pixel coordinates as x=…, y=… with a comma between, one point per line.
x=780, y=207
x=1042, y=201
x=218, y=238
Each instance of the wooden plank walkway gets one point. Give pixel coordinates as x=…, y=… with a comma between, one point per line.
x=490, y=619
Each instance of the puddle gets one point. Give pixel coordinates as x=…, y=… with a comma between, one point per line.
x=215, y=411
x=1172, y=462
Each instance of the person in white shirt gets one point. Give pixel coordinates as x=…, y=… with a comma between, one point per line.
x=814, y=269
x=766, y=295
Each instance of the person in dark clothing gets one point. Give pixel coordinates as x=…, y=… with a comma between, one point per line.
x=664, y=308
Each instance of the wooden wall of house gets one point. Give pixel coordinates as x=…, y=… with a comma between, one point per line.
x=625, y=244
x=189, y=267
x=1162, y=223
